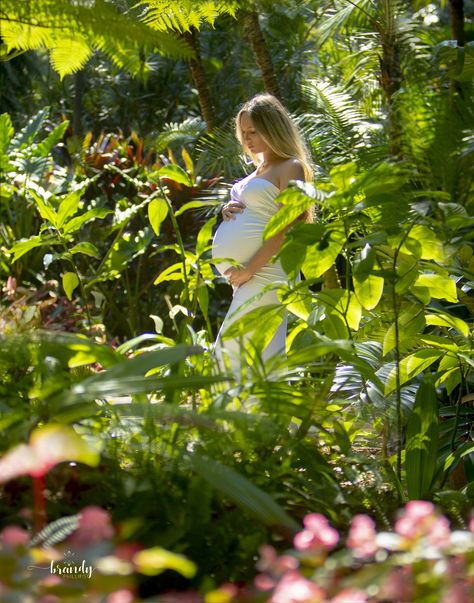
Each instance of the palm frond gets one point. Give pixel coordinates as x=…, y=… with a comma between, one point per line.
x=181, y=15
x=173, y=134
x=73, y=30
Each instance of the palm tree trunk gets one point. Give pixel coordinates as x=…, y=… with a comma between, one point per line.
x=456, y=10
x=199, y=77
x=391, y=78
x=254, y=34
x=79, y=83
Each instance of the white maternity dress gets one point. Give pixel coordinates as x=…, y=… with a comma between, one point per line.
x=239, y=240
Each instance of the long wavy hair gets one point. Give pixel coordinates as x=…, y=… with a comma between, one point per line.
x=278, y=131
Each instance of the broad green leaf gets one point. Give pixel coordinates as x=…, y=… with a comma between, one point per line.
x=294, y=203
x=410, y=323
x=443, y=319
x=407, y=273
x=172, y=273
x=86, y=248
x=194, y=205
x=6, y=132
x=350, y=307
x=173, y=172
x=462, y=451
x=68, y=207
x=45, y=146
x=320, y=257
x=156, y=560
x=45, y=209
x=204, y=235
x=439, y=286
x=92, y=214
x=70, y=282
x=19, y=249
x=421, y=456
x=431, y=246
x=368, y=290
x=157, y=212
x=412, y=365
x=240, y=490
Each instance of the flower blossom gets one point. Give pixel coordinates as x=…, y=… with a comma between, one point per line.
x=362, y=536
x=420, y=520
x=294, y=588
x=317, y=535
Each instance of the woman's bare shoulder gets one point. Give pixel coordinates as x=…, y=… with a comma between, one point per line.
x=290, y=169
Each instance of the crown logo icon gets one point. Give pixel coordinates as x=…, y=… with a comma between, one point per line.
x=69, y=557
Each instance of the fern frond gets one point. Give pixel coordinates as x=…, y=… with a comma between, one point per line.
x=56, y=531
x=185, y=132
x=72, y=30
x=337, y=121
x=181, y=15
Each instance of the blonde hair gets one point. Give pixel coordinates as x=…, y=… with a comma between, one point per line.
x=278, y=131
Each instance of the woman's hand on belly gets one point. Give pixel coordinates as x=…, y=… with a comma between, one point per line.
x=238, y=276
x=230, y=209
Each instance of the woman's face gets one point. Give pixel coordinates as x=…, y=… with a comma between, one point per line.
x=250, y=137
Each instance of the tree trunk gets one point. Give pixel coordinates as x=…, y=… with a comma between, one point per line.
x=263, y=59
x=79, y=83
x=456, y=11
x=197, y=71
x=391, y=80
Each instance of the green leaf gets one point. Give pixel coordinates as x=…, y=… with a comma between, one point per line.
x=70, y=282
x=195, y=205
x=412, y=365
x=444, y=319
x=27, y=134
x=157, y=212
x=172, y=273
x=240, y=490
x=173, y=172
x=320, y=257
x=204, y=235
x=22, y=247
x=45, y=146
x=6, y=132
x=411, y=322
x=439, y=286
x=68, y=207
x=92, y=214
x=156, y=560
x=368, y=290
x=294, y=203
x=45, y=209
x=421, y=456
x=87, y=249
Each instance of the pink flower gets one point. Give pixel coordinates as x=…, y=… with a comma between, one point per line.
x=293, y=588
x=350, y=595
x=317, y=535
x=272, y=563
x=420, y=520
x=121, y=596
x=14, y=536
x=362, y=535
x=471, y=524
x=94, y=526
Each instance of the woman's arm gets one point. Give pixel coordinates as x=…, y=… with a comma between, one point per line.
x=291, y=170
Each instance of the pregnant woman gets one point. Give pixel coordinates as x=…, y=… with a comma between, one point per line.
x=268, y=134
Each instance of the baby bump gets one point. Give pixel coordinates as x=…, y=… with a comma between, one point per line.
x=237, y=239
